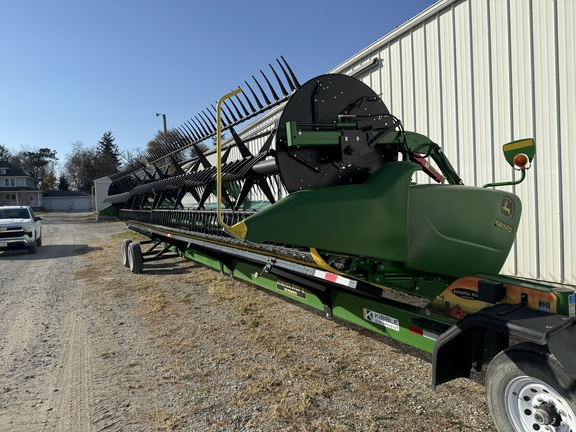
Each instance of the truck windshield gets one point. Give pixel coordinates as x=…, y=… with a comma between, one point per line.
x=14, y=214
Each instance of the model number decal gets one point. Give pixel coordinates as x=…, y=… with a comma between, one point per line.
x=291, y=288
x=503, y=226
x=381, y=319
x=465, y=293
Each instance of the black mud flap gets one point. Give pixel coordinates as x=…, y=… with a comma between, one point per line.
x=456, y=349
x=563, y=345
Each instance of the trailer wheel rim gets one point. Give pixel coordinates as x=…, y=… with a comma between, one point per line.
x=533, y=405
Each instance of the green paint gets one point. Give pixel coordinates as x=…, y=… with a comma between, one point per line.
x=301, y=138
x=449, y=230
x=353, y=309
x=109, y=211
x=368, y=220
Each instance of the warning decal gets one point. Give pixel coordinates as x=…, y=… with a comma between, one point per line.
x=381, y=319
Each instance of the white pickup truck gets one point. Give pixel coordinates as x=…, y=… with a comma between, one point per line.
x=20, y=228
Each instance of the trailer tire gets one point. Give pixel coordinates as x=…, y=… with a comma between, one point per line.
x=135, y=258
x=125, y=244
x=527, y=389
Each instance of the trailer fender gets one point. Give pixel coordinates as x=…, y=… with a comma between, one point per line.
x=462, y=345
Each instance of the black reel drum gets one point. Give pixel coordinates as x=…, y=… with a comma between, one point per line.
x=348, y=118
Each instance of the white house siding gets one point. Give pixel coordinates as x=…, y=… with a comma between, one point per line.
x=475, y=74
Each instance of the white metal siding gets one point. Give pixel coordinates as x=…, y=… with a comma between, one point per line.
x=566, y=64
x=475, y=74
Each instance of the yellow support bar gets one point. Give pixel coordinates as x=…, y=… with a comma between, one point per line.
x=236, y=231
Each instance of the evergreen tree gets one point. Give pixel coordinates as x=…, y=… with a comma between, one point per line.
x=5, y=154
x=108, y=155
x=63, y=184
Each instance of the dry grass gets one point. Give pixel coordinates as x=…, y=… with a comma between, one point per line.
x=260, y=362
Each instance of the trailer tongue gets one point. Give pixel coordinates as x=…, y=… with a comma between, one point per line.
x=327, y=213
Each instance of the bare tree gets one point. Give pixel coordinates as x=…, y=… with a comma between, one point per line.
x=80, y=168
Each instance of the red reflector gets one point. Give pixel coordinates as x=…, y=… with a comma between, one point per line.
x=416, y=330
x=331, y=277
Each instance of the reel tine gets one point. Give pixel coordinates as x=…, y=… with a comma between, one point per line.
x=162, y=145
x=254, y=95
x=201, y=126
x=235, y=107
x=225, y=123
x=290, y=83
x=262, y=91
x=246, y=112
x=181, y=139
x=164, y=149
x=226, y=155
x=153, y=153
x=171, y=142
x=249, y=103
x=193, y=127
x=208, y=125
x=244, y=150
x=230, y=111
x=284, y=92
x=214, y=117
x=187, y=133
x=268, y=144
x=209, y=121
x=270, y=85
x=294, y=79
x=201, y=157
x=192, y=130
x=170, y=147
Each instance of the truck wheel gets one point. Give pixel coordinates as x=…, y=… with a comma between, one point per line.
x=125, y=244
x=527, y=389
x=135, y=258
x=39, y=241
x=33, y=249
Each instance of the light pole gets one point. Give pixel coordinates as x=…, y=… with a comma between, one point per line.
x=164, y=119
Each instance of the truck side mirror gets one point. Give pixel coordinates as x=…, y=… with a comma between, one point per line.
x=519, y=154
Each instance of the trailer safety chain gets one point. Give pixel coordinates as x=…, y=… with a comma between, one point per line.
x=269, y=263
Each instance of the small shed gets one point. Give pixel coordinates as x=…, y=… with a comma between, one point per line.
x=67, y=201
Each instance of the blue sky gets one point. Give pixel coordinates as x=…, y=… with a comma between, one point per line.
x=71, y=70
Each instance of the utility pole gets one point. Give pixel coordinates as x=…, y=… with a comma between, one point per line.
x=164, y=119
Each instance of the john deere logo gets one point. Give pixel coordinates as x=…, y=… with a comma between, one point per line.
x=507, y=208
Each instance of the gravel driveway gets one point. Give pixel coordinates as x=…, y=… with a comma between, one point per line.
x=87, y=346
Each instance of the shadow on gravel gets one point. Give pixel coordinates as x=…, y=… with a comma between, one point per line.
x=172, y=268
x=50, y=252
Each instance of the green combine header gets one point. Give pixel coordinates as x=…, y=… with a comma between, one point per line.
x=343, y=210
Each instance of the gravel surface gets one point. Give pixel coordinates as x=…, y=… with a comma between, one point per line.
x=85, y=345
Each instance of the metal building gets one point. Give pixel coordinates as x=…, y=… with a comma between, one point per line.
x=475, y=74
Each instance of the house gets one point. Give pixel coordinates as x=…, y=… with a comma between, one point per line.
x=18, y=188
